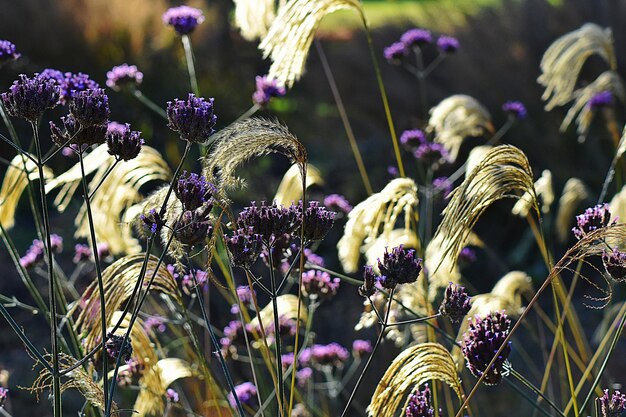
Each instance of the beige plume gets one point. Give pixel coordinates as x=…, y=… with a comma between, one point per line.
x=376, y=216
x=574, y=192
x=15, y=181
x=290, y=187
x=543, y=188
x=563, y=60
x=289, y=38
x=254, y=17
x=456, y=118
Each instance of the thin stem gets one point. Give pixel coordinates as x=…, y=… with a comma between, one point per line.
x=421, y=80
x=279, y=366
x=190, y=64
x=536, y=390
x=248, y=113
x=18, y=148
x=412, y=321
x=149, y=103
x=104, y=177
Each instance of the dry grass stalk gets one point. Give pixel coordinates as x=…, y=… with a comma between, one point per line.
x=563, y=60
x=475, y=156
x=254, y=17
x=289, y=38
x=247, y=139
x=456, y=118
x=503, y=172
x=15, y=181
x=377, y=216
x=290, y=187
x=543, y=188
x=574, y=192
x=411, y=368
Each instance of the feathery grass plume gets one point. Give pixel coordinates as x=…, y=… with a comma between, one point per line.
x=582, y=111
x=456, y=118
x=563, y=60
x=574, y=192
x=118, y=191
x=475, y=156
x=287, y=306
x=119, y=280
x=543, y=188
x=16, y=178
x=410, y=369
x=290, y=187
x=254, y=17
x=377, y=216
x=503, y=172
x=76, y=379
x=246, y=139
x=290, y=36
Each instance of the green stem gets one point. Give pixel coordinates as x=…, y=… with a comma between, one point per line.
x=149, y=103
x=536, y=390
x=190, y=64
x=279, y=365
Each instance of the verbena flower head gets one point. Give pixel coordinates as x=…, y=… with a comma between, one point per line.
x=74, y=83
x=152, y=222
x=8, y=52
x=193, y=228
x=116, y=347
x=171, y=395
x=266, y=88
x=122, y=76
x=412, y=139
x=456, y=303
x=269, y=221
x=369, y=282
x=155, y=322
x=360, y=348
x=480, y=343
x=431, y=153
x=246, y=392
x=515, y=109
x=28, y=98
x=193, y=118
x=244, y=247
x=466, y=256
x=303, y=376
x=592, y=219
x=332, y=354
x=393, y=171
x=400, y=266
x=338, y=203
x=317, y=221
x=90, y=107
x=416, y=37
x=319, y=284
x=4, y=393
x=395, y=52
x=447, y=44
x=444, y=186
x=81, y=136
x=420, y=404
x=245, y=296
x=52, y=74
x=124, y=144
x=193, y=277
x=193, y=190
x=615, y=264
x=612, y=406
x=36, y=251
x=601, y=99
x=183, y=19
x=82, y=253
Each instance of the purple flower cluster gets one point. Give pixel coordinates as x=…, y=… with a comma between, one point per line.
x=420, y=404
x=412, y=139
x=196, y=197
x=116, y=347
x=482, y=340
x=193, y=190
x=172, y=395
x=515, y=109
x=8, y=52
x=360, y=348
x=192, y=118
x=201, y=278
x=72, y=83
x=400, y=266
x=90, y=107
x=266, y=88
x=246, y=392
x=246, y=296
x=443, y=185
x=36, y=251
x=244, y=247
x=395, y=53
x=317, y=221
x=28, y=98
x=79, y=137
x=123, y=143
x=332, y=354
x=612, y=406
x=152, y=221
x=416, y=37
x=269, y=220
x=122, y=76
x=155, y=322
x=183, y=19
x=431, y=153
x=592, y=219
x=456, y=303
x=4, y=393
x=369, y=282
x=193, y=227
x=82, y=252
x=615, y=264
x=448, y=44
x=466, y=256
x=337, y=203
x=319, y=284
x=601, y=99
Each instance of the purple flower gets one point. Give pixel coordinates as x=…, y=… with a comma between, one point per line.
x=172, y=395
x=184, y=19
x=319, y=284
x=28, y=98
x=360, y=348
x=317, y=220
x=613, y=406
x=115, y=347
x=123, y=76
x=456, y=303
x=411, y=139
x=193, y=118
x=157, y=322
x=8, y=52
x=124, y=144
x=400, y=266
x=443, y=185
x=419, y=404
x=4, y=393
x=193, y=190
x=244, y=247
x=416, y=37
x=194, y=226
x=201, y=278
x=337, y=202
x=467, y=256
x=82, y=253
x=303, y=376
x=90, y=107
x=431, y=153
x=393, y=171
x=332, y=354
x=515, y=109
x=592, y=219
x=482, y=340
x=615, y=264
x=52, y=74
x=244, y=295
x=79, y=136
x=369, y=282
x=266, y=88
x=152, y=221
x=601, y=99
x=447, y=44
x=246, y=393
x=75, y=83
x=269, y=221
x=36, y=251
x=395, y=52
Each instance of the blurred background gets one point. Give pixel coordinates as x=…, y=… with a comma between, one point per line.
x=502, y=42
